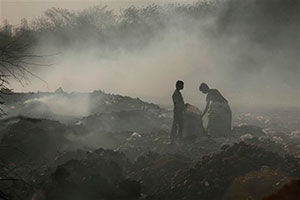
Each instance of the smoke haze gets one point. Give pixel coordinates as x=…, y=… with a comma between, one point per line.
x=249, y=50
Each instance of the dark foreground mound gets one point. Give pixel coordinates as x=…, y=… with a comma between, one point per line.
x=110, y=175
x=101, y=175
x=210, y=177
x=28, y=139
x=289, y=191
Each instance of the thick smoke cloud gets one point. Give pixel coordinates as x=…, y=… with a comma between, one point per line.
x=247, y=49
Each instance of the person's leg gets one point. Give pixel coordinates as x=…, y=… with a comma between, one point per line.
x=209, y=127
x=174, y=129
x=213, y=126
x=180, y=126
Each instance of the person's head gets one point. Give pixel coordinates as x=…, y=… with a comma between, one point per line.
x=179, y=85
x=204, y=88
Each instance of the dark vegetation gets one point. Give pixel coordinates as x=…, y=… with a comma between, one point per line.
x=135, y=27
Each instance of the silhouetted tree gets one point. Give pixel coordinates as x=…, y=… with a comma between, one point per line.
x=16, y=58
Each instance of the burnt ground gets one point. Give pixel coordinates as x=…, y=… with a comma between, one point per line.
x=120, y=149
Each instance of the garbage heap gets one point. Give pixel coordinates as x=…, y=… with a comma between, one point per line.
x=211, y=177
x=110, y=175
x=30, y=140
x=101, y=175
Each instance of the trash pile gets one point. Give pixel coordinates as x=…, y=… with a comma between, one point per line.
x=104, y=102
x=123, y=151
x=154, y=171
x=108, y=174
x=133, y=120
x=159, y=142
x=67, y=107
x=211, y=177
x=245, y=187
x=285, y=120
x=98, y=176
x=275, y=141
x=288, y=191
x=29, y=139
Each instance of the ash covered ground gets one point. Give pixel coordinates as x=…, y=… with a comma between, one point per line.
x=120, y=149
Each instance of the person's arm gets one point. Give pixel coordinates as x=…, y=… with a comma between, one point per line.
x=175, y=99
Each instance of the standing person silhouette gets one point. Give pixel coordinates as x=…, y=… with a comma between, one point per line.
x=219, y=112
x=179, y=107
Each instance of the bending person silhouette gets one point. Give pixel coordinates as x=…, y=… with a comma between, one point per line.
x=179, y=107
x=219, y=112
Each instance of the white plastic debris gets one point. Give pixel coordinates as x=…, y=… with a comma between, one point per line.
x=277, y=139
x=206, y=183
x=134, y=136
x=246, y=137
x=79, y=123
x=247, y=115
x=260, y=118
x=295, y=133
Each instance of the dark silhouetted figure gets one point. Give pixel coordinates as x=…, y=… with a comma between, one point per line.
x=179, y=107
x=219, y=112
